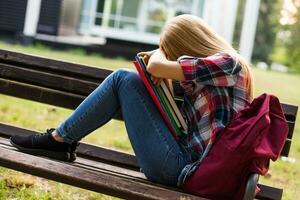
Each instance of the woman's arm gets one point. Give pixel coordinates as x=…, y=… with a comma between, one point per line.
x=159, y=66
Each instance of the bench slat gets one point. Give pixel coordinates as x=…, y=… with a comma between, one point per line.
x=92, y=152
x=290, y=111
x=124, y=160
x=291, y=129
x=76, y=176
x=94, y=165
x=43, y=95
x=71, y=101
x=110, y=169
x=286, y=148
x=68, y=68
x=83, y=72
x=46, y=79
x=269, y=193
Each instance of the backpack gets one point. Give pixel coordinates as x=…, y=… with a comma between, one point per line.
x=255, y=135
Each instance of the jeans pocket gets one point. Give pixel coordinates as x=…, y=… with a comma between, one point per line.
x=173, y=165
x=186, y=148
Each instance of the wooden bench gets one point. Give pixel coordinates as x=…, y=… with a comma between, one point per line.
x=98, y=169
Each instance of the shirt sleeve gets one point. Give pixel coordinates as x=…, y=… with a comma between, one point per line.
x=217, y=70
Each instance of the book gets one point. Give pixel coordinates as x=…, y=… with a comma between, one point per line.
x=167, y=95
x=166, y=103
x=174, y=105
x=155, y=99
x=169, y=111
x=163, y=100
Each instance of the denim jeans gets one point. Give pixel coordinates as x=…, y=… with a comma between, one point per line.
x=158, y=154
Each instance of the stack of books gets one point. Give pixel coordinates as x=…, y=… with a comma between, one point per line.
x=163, y=100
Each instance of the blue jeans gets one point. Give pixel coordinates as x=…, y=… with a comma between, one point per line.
x=158, y=154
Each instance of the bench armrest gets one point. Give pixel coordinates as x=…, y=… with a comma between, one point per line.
x=251, y=186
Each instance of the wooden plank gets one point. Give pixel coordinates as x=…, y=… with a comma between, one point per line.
x=63, y=67
x=290, y=111
x=43, y=95
x=266, y=192
x=102, y=167
x=92, y=165
x=102, y=154
x=107, y=155
x=269, y=193
x=286, y=148
x=62, y=99
x=87, y=179
x=46, y=79
x=84, y=71
x=291, y=129
x=96, y=153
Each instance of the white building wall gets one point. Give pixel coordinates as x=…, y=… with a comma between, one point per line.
x=32, y=17
x=249, y=28
x=221, y=15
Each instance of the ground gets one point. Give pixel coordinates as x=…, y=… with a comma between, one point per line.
x=37, y=116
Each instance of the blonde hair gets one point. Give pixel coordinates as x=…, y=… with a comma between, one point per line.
x=190, y=35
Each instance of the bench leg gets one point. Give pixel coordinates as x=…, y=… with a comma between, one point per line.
x=251, y=186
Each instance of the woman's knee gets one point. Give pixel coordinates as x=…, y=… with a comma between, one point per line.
x=125, y=74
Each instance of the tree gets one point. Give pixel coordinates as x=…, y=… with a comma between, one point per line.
x=292, y=42
x=267, y=27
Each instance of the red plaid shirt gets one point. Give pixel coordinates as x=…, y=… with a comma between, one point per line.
x=214, y=89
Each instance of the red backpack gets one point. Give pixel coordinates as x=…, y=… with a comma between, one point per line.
x=254, y=136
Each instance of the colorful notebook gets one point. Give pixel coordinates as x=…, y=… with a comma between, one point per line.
x=167, y=97
x=162, y=99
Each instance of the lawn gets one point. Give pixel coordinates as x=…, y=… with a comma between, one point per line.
x=28, y=114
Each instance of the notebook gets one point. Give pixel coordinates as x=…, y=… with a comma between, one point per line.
x=163, y=100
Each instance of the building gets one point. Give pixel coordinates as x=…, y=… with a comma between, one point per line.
x=128, y=22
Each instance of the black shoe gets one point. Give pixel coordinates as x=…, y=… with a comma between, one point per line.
x=45, y=145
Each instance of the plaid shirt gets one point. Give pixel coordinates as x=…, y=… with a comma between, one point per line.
x=214, y=89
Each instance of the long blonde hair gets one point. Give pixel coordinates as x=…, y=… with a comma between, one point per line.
x=190, y=35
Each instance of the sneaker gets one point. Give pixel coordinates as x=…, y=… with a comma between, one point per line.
x=45, y=145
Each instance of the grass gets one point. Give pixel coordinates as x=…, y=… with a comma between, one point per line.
x=39, y=116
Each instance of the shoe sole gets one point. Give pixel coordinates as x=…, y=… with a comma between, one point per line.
x=63, y=156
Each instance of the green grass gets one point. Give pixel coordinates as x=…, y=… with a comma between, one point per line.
x=286, y=86
x=39, y=116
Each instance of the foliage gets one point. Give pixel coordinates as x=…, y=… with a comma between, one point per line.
x=293, y=43
x=287, y=49
x=267, y=26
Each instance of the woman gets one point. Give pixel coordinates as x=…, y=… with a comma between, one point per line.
x=217, y=83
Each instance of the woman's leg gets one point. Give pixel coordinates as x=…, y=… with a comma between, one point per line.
x=158, y=154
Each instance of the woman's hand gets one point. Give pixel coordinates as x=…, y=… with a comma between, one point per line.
x=147, y=54
x=156, y=80
x=157, y=57
x=160, y=67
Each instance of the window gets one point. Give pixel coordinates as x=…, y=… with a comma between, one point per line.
x=134, y=19
x=99, y=15
x=120, y=14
